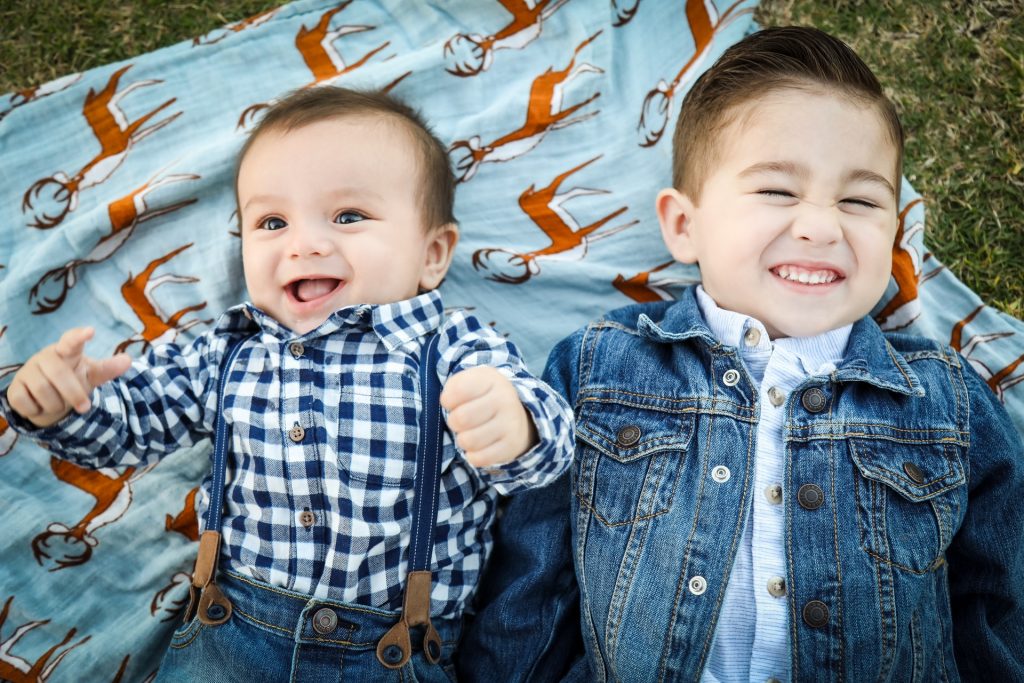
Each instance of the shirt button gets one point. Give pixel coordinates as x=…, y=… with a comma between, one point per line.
x=721, y=474
x=698, y=584
x=307, y=518
x=296, y=349
x=815, y=613
x=776, y=396
x=296, y=433
x=752, y=337
x=731, y=378
x=813, y=400
x=810, y=496
x=774, y=494
x=777, y=586
x=325, y=620
x=773, y=680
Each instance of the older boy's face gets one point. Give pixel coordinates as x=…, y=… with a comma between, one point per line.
x=331, y=217
x=796, y=222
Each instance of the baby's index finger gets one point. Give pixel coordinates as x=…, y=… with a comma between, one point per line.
x=72, y=343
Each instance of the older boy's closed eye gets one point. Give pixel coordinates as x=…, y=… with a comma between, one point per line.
x=345, y=201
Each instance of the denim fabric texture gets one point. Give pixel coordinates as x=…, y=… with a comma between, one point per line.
x=911, y=568
x=270, y=638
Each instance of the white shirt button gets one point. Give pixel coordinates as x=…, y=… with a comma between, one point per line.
x=774, y=494
x=777, y=586
x=773, y=680
x=776, y=396
x=752, y=337
x=296, y=349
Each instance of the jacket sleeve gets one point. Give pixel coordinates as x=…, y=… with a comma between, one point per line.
x=468, y=344
x=162, y=403
x=526, y=625
x=986, y=557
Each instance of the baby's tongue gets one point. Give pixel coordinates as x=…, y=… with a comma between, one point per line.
x=306, y=290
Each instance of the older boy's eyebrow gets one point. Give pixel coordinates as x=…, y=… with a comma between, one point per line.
x=862, y=174
x=785, y=167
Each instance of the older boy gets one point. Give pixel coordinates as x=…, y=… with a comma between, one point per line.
x=767, y=487
x=345, y=202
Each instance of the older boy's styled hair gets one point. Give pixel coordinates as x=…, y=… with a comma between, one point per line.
x=770, y=59
x=311, y=105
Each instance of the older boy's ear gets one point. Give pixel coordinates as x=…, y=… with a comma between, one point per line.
x=438, y=256
x=675, y=214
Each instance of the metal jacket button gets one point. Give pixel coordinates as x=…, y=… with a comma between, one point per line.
x=698, y=584
x=296, y=349
x=810, y=496
x=731, y=378
x=914, y=472
x=296, y=433
x=813, y=400
x=325, y=620
x=815, y=613
x=628, y=436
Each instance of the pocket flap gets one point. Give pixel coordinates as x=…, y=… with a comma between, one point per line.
x=628, y=432
x=916, y=471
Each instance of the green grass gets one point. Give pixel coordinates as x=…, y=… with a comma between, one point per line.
x=956, y=73
x=955, y=70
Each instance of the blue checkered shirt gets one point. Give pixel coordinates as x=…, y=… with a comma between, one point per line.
x=323, y=435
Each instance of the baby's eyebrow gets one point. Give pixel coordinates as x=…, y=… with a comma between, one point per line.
x=260, y=199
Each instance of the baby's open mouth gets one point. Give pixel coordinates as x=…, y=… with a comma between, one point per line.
x=313, y=288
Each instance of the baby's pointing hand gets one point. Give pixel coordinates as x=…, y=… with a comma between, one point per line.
x=61, y=378
x=485, y=413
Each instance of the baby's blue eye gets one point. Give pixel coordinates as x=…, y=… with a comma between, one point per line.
x=273, y=223
x=346, y=217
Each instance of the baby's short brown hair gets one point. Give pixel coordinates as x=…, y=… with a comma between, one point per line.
x=311, y=105
x=769, y=60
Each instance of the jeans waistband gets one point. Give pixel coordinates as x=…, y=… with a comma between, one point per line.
x=305, y=619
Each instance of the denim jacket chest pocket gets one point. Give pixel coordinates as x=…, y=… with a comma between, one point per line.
x=911, y=499
x=628, y=459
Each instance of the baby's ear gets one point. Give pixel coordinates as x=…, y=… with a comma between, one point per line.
x=675, y=214
x=438, y=255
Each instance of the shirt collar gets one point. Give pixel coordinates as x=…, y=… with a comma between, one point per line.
x=395, y=323
x=817, y=355
x=868, y=358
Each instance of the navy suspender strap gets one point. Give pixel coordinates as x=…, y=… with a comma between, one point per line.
x=212, y=606
x=395, y=648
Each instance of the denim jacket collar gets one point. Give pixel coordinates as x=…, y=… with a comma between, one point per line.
x=869, y=356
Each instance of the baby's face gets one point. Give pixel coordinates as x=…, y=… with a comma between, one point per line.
x=331, y=217
x=796, y=222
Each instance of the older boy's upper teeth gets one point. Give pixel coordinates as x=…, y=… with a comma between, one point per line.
x=805, y=276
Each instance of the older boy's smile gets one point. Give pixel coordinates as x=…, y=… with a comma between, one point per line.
x=816, y=276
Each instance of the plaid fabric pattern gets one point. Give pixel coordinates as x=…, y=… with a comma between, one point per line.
x=326, y=423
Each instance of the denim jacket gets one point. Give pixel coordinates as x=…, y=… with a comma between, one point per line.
x=906, y=565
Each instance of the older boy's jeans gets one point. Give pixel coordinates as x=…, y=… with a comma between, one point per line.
x=270, y=637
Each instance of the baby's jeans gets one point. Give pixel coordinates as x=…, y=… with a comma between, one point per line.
x=270, y=637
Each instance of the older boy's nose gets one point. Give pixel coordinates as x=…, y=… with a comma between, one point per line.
x=818, y=224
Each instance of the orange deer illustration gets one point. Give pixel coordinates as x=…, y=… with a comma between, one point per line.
x=322, y=57
x=65, y=546
x=16, y=669
x=904, y=307
x=23, y=97
x=999, y=381
x=566, y=237
x=157, y=327
x=223, y=32
x=185, y=522
x=126, y=213
x=116, y=135
x=544, y=113
x=642, y=288
x=470, y=54
x=657, y=105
